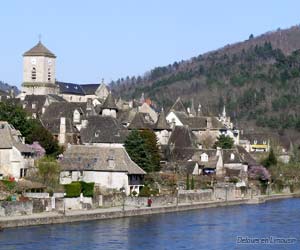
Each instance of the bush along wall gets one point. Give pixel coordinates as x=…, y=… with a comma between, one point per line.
x=74, y=189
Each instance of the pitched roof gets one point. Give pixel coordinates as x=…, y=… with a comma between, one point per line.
x=93, y=158
x=201, y=122
x=70, y=88
x=231, y=156
x=181, y=143
x=10, y=137
x=103, y=129
x=141, y=121
x=38, y=100
x=162, y=123
x=53, y=125
x=56, y=109
x=39, y=50
x=247, y=158
x=178, y=106
x=89, y=89
x=187, y=167
x=109, y=102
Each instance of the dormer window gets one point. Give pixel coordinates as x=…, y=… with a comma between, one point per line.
x=232, y=156
x=204, y=157
x=33, y=106
x=111, y=159
x=264, y=142
x=255, y=141
x=33, y=74
x=76, y=116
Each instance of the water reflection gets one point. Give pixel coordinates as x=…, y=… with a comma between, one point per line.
x=215, y=228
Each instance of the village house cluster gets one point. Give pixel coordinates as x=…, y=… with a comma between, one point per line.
x=92, y=126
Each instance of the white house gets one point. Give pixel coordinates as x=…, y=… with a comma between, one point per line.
x=15, y=157
x=108, y=167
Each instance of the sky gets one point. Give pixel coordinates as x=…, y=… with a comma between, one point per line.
x=112, y=39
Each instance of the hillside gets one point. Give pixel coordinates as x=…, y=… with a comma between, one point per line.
x=7, y=87
x=258, y=80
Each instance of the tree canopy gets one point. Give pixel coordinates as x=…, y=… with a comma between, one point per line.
x=224, y=142
x=142, y=149
x=31, y=129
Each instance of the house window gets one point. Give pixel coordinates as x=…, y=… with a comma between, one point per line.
x=49, y=74
x=33, y=105
x=33, y=73
x=232, y=156
x=23, y=172
x=255, y=141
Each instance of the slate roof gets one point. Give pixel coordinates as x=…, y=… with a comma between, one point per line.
x=196, y=123
x=109, y=102
x=141, y=121
x=53, y=125
x=38, y=100
x=162, y=123
x=39, y=50
x=103, y=129
x=227, y=157
x=181, y=143
x=212, y=158
x=70, y=88
x=89, y=89
x=246, y=157
x=10, y=137
x=126, y=116
x=93, y=158
x=57, y=110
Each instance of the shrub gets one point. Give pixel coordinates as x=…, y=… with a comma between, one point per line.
x=87, y=188
x=145, y=192
x=73, y=189
x=10, y=185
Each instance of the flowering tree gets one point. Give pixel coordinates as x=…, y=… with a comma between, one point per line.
x=259, y=173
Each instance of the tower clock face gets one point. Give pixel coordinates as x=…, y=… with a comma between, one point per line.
x=33, y=61
x=49, y=61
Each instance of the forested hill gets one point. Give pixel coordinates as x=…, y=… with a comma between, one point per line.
x=7, y=87
x=258, y=80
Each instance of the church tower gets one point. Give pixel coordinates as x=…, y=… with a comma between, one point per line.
x=39, y=71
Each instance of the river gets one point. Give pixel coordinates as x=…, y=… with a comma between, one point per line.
x=272, y=225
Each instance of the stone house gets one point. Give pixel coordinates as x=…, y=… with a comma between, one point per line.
x=108, y=167
x=16, y=158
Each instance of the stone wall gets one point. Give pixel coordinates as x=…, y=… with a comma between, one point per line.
x=224, y=191
x=14, y=208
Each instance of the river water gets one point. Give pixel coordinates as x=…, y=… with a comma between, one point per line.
x=273, y=225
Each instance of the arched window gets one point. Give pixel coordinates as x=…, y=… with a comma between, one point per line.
x=49, y=74
x=33, y=73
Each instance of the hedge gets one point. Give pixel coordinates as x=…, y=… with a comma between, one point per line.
x=87, y=188
x=73, y=189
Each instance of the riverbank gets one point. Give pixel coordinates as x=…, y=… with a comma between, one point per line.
x=117, y=212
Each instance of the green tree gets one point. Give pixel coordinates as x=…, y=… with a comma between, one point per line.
x=187, y=182
x=31, y=129
x=271, y=160
x=152, y=148
x=192, y=183
x=224, y=142
x=136, y=148
x=48, y=171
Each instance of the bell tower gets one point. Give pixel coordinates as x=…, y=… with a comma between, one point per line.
x=39, y=71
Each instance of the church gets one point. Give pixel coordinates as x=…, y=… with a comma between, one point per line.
x=39, y=79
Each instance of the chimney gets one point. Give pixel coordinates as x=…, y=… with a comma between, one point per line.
x=208, y=123
x=219, y=151
x=62, y=131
